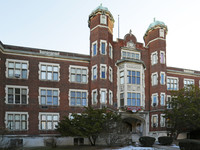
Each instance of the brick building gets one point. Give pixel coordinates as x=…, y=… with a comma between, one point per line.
x=39, y=87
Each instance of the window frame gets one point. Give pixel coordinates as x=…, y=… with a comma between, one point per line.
x=131, y=54
x=136, y=98
x=163, y=99
x=110, y=97
x=14, y=74
x=52, y=89
x=154, y=58
x=132, y=77
x=103, y=90
x=172, y=78
x=162, y=120
x=162, y=61
x=153, y=83
x=188, y=80
x=110, y=51
x=93, y=43
x=169, y=97
x=162, y=73
x=96, y=101
x=101, y=42
x=103, y=20
x=52, y=121
x=152, y=99
x=152, y=121
x=78, y=90
x=110, y=74
x=78, y=67
x=17, y=113
x=93, y=67
x=101, y=71
x=16, y=87
x=46, y=71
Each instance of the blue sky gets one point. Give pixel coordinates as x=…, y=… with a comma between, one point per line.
x=62, y=24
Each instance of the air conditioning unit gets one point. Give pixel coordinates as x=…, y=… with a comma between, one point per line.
x=17, y=75
x=154, y=104
x=154, y=125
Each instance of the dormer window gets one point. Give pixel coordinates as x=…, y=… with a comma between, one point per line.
x=130, y=55
x=103, y=19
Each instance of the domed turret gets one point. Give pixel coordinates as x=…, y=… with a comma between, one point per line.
x=155, y=25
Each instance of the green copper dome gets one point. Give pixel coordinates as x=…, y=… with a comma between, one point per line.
x=100, y=8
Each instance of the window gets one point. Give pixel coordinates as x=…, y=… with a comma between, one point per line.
x=162, y=78
x=154, y=99
x=110, y=51
x=17, y=120
x=130, y=55
x=94, y=96
x=133, y=77
x=48, y=121
x=103, y=71
x=103, y=47
x=162, y=33
x=154, y=121
x=154, y=58
x=78, y=97
x=133, y=99
x=110, y=97
x=169, y=106
x=94, y=72
x=162, y=57
x=121, y=77
x=94, y=48
x=103, y=95
x=172, y=83
x=17, y=69
x=78, y=74
x=154, y=78
x=16, y=94
x=162, y=120
x=188, y=82
x=49, y=96
x=110, y=74
x=103, y=19
x=162, y=99
x=49, y=71
x=121, y=99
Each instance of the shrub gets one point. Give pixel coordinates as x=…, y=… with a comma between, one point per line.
x=165, y=140
x=147, y=141
x=189, y=144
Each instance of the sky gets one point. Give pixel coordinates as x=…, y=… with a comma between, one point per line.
x=63, y=25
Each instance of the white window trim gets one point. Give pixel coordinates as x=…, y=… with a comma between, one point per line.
x=164, y=78
x=152, y=59
x=16, y=60
x=103, y=41
x=162, y=52
x=77, y=90
x=103, y=65
x=156, y=115
x=111, y=73
x=164, y=98
x=154, y=94
x=78, y=67
x=162, y=116
x=95, y=42
x=52, y=64
x=105, y=90
x=46, y=88
x=111, y=51
x=15, y=86
x=20, y=113
x=175, y=78
x=101, y=19
x=130, y=52
x=110, y=101
x=188, y=80
x=162, y=33
x=93, y=72
x=168, y=96
x=46, y=113
x=95, y=90
x=156, y=82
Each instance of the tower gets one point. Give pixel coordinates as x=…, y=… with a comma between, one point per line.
x=155, y=41
x=101, y=53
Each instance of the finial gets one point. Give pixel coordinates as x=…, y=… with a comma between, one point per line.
x=130, y=32
x=154, y=19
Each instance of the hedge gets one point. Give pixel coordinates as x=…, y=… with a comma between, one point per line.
x=165, y=140
x=147, y=141
x=189, y=144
